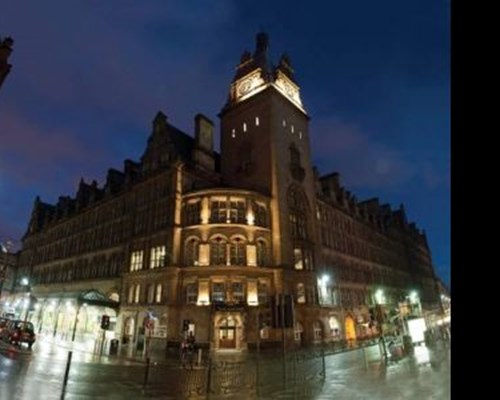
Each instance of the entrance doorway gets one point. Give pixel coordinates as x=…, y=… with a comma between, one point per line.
x=350, y=330
x=227, y=333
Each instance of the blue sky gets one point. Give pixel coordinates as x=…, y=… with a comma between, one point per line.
x=89, y=76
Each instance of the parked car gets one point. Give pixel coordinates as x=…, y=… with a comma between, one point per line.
x=18, y=332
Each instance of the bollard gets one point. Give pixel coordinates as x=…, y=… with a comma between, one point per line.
x=146, y=373
x=66, y=374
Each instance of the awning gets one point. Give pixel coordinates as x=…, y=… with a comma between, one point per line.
x=90, y=297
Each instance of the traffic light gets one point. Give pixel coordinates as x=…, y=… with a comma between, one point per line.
x=185, y=325
x=105, y=322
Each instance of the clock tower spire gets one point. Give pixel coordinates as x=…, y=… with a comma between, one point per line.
x=265, y=138
x=255, y=73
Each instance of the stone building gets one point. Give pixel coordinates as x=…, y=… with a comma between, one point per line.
x=5, y=51
x=190, y=240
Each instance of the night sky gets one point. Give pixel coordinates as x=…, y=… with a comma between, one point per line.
x=89, y=76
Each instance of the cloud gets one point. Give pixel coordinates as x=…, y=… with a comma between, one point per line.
x=31, y=153
x=360, y=159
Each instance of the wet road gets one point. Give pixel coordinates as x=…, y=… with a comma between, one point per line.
x=359, y=374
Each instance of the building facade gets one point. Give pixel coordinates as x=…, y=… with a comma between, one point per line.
x=5, y=51
x=190, y=240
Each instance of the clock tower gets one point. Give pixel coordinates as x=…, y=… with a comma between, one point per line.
x=265, y=147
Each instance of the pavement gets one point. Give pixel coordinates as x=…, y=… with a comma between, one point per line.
x=357, y=374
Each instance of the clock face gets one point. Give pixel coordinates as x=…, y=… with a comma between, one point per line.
x=288, y=89
x=245, y=87
x=250, y=83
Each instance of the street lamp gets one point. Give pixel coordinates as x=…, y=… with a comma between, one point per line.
x=322, y=282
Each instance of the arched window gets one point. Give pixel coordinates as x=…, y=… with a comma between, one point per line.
x=159, y=293
x=334, y=327
x=218, y=251
x=191, y=253
x=137, y=294
x=301, y=293
x=262, y=260
x=238, y=251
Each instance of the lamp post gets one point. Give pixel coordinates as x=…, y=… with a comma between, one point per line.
x=27, y=302
x=379, y=300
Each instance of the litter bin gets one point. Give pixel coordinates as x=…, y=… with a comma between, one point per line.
x=113, y=347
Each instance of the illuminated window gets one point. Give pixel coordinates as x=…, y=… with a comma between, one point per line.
x=292, y=128
x=301, y=293
x=136, y=259
x=191, y=254
x=158, y=254
x=284, y=123
x=300, y=135
x=244, y=126
x=298, y=261
x=257, y=122
x=218, y=292
x=191, y=293
x=137, y=294
x=238, y=251
x=159, y=293
x=233, y=133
